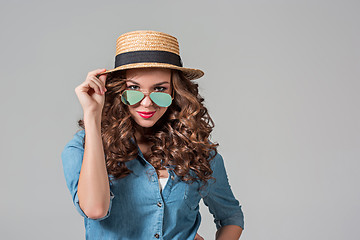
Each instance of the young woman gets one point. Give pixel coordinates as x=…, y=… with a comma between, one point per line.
x=143, y=159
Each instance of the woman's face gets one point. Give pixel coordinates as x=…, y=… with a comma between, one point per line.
x=146, y=113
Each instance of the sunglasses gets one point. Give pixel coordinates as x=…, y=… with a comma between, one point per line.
x=131, y=97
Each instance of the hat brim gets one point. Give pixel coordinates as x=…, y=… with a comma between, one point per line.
x=189, y=73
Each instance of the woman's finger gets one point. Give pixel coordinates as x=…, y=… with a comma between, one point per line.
x=103, y=80
x=100, y=85
x=97, y=71
x=86, y=86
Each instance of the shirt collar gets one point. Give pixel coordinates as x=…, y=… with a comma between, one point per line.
x=140, y=156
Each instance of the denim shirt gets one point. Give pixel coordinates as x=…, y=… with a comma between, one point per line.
x=139, y=210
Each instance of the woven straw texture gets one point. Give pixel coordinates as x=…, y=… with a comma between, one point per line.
x=151, y=40
x=146, y=40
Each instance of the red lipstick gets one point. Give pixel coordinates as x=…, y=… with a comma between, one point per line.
x=146, y=114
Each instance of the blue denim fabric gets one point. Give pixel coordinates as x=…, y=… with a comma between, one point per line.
x=138, y=210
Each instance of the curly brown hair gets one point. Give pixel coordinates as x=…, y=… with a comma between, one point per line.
x=180, y=138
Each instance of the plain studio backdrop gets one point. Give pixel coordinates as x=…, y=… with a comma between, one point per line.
x=281, y=83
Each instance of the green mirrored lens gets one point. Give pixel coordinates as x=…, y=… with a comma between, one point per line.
x=161, y=99
x=131, y=97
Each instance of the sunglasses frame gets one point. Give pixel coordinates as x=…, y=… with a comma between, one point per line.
x=146, y=93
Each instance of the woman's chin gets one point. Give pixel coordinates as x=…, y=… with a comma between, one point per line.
x=145, y=124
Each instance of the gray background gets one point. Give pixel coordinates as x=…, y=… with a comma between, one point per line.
x=281, y=83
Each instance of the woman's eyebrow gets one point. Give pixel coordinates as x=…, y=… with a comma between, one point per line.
x=161, y=83
x=157, y=84
x=128, y=80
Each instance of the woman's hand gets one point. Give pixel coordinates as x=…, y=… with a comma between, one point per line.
x=198, y=237
x=91, y=93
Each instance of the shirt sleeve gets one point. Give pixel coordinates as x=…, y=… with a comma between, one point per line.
x=72, y=157
x=219, y=198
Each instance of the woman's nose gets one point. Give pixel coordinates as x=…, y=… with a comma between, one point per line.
x=146, y=102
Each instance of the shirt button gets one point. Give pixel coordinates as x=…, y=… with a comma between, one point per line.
x=172, y=177
x=159, y=204
x=157, y=235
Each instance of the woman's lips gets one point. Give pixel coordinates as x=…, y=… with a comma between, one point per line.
x=146, y=114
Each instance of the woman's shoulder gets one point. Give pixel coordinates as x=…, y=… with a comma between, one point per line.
x=215, y=159
x=80, y=133
x=77, y=139
x=214, y=155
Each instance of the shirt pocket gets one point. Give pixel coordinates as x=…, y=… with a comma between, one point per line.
x=192, y=196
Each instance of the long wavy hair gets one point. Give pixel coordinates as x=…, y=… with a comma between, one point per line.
x=180, y=138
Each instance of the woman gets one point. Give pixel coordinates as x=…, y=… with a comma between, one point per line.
x=143, y=159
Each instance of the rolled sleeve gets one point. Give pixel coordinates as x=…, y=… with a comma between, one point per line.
x=220, y=199
x=72, y=157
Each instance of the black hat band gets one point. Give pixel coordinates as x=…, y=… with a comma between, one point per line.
x=147, y=56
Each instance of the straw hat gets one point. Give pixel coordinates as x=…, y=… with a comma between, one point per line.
x=143, y=49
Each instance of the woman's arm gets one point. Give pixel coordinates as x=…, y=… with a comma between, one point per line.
x=93, y=186
x=228, y=232
x=222, y=204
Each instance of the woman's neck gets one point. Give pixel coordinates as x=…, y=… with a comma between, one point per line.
x=141, y=132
